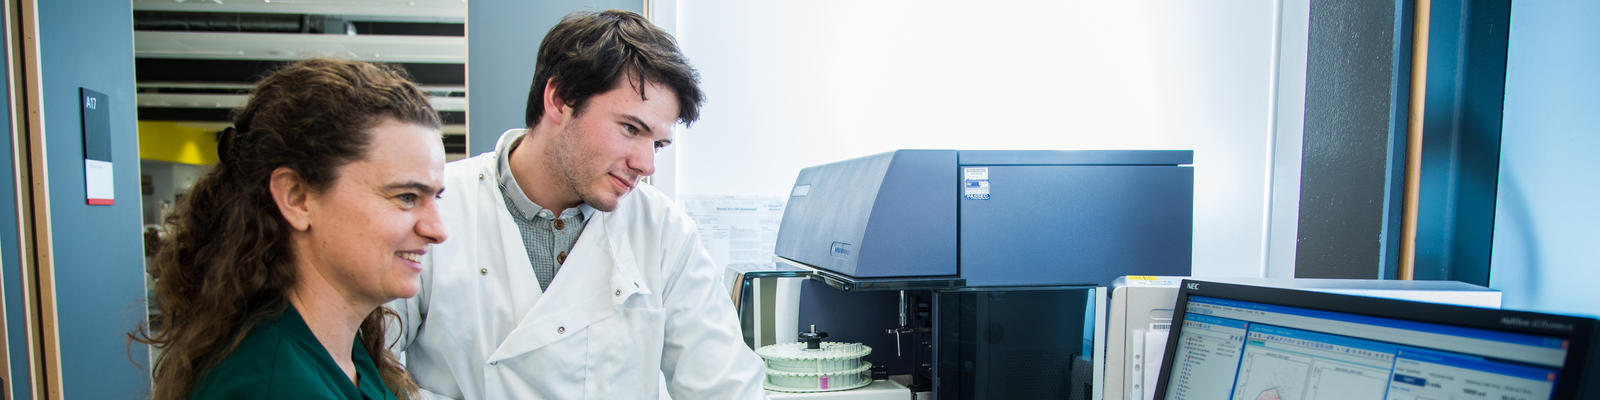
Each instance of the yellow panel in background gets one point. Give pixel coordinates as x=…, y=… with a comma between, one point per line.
x=178, y=142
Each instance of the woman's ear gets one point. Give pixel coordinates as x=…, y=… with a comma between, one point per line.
x=292, y=196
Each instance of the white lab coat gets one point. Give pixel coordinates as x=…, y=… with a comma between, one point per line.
x=638, y=299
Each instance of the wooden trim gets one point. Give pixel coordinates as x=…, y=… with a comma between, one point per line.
x=33, y=204
x=9, y=13
x=1413, y=182
x=11, y=21
x=20, y=167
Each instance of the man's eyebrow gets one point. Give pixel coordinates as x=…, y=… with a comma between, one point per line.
x=639, y=122
x=413, y=185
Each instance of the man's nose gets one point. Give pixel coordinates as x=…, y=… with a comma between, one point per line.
x=643, y=159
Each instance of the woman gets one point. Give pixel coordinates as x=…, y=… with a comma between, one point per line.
x=281, y=257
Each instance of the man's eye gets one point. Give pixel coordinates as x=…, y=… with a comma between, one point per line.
x=408, y=198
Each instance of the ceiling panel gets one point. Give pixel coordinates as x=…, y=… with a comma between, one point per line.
x=195, y=61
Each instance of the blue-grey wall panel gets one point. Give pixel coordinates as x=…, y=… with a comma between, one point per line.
x=97, y=250
x=1546, y=224
x=1435, y=218
x=11, y=264
x=503, y=38
x=1461, y=139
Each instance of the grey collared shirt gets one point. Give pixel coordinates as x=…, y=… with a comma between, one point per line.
x=548, y=238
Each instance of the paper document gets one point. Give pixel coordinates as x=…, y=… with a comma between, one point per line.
x=1155, y=348
x=737, y=229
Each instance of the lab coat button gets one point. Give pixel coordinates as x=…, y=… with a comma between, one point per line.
x=480, y=176
x=619, y=292
x=561, y=330
x=493, y=363
x=483, y=271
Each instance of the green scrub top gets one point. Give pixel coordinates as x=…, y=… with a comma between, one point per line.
x=281, y=359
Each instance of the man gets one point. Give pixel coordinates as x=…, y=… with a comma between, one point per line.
x=565, y=278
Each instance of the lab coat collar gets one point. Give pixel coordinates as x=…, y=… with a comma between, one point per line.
x=618, y=244
x=574, y=300
x=602, y=265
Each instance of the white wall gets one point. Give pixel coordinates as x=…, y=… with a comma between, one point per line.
x=1294, y=26
x=799, y=83
x=1546, y=225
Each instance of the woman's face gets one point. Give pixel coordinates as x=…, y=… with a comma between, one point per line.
x=369, y=231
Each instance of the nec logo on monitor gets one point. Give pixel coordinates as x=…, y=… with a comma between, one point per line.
x=1192, y=286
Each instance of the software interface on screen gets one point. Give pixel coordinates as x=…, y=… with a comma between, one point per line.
x=1240, y=350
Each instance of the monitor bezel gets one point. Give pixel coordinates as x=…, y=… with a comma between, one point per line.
x=1568, y=380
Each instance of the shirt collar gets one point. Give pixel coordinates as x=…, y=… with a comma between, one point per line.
x=525, y=207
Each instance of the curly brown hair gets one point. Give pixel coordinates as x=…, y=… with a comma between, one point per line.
x=227, y=263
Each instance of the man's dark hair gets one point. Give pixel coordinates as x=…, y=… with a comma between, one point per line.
x=587, y=53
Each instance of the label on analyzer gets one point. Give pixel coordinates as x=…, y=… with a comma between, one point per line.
x=975, y=183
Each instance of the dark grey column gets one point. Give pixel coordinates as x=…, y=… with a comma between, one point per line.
x=1358, y=73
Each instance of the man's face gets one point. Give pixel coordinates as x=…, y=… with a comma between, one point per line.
x=602, y=151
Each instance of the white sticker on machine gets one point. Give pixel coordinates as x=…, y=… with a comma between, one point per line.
x=975, y=183
x=976, y=173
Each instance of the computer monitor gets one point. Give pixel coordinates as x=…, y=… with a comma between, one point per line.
x=1257, y=343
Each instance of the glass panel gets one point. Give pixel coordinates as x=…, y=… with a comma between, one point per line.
x=1015, y=343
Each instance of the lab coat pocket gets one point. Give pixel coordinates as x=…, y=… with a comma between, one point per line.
x=624, y=352
x=554, y=371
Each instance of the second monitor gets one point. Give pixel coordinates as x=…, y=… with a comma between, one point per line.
x=1246, y=342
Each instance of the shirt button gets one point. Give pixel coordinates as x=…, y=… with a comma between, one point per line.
x=561, y=258
x=559, y=224
x=561, y=330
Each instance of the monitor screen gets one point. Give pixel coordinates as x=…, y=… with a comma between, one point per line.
x=1250, y=343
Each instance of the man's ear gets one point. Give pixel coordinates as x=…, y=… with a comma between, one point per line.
x=555, y=107
x=292, y=196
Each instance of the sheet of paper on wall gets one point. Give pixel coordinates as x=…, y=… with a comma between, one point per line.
x=739, y=230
